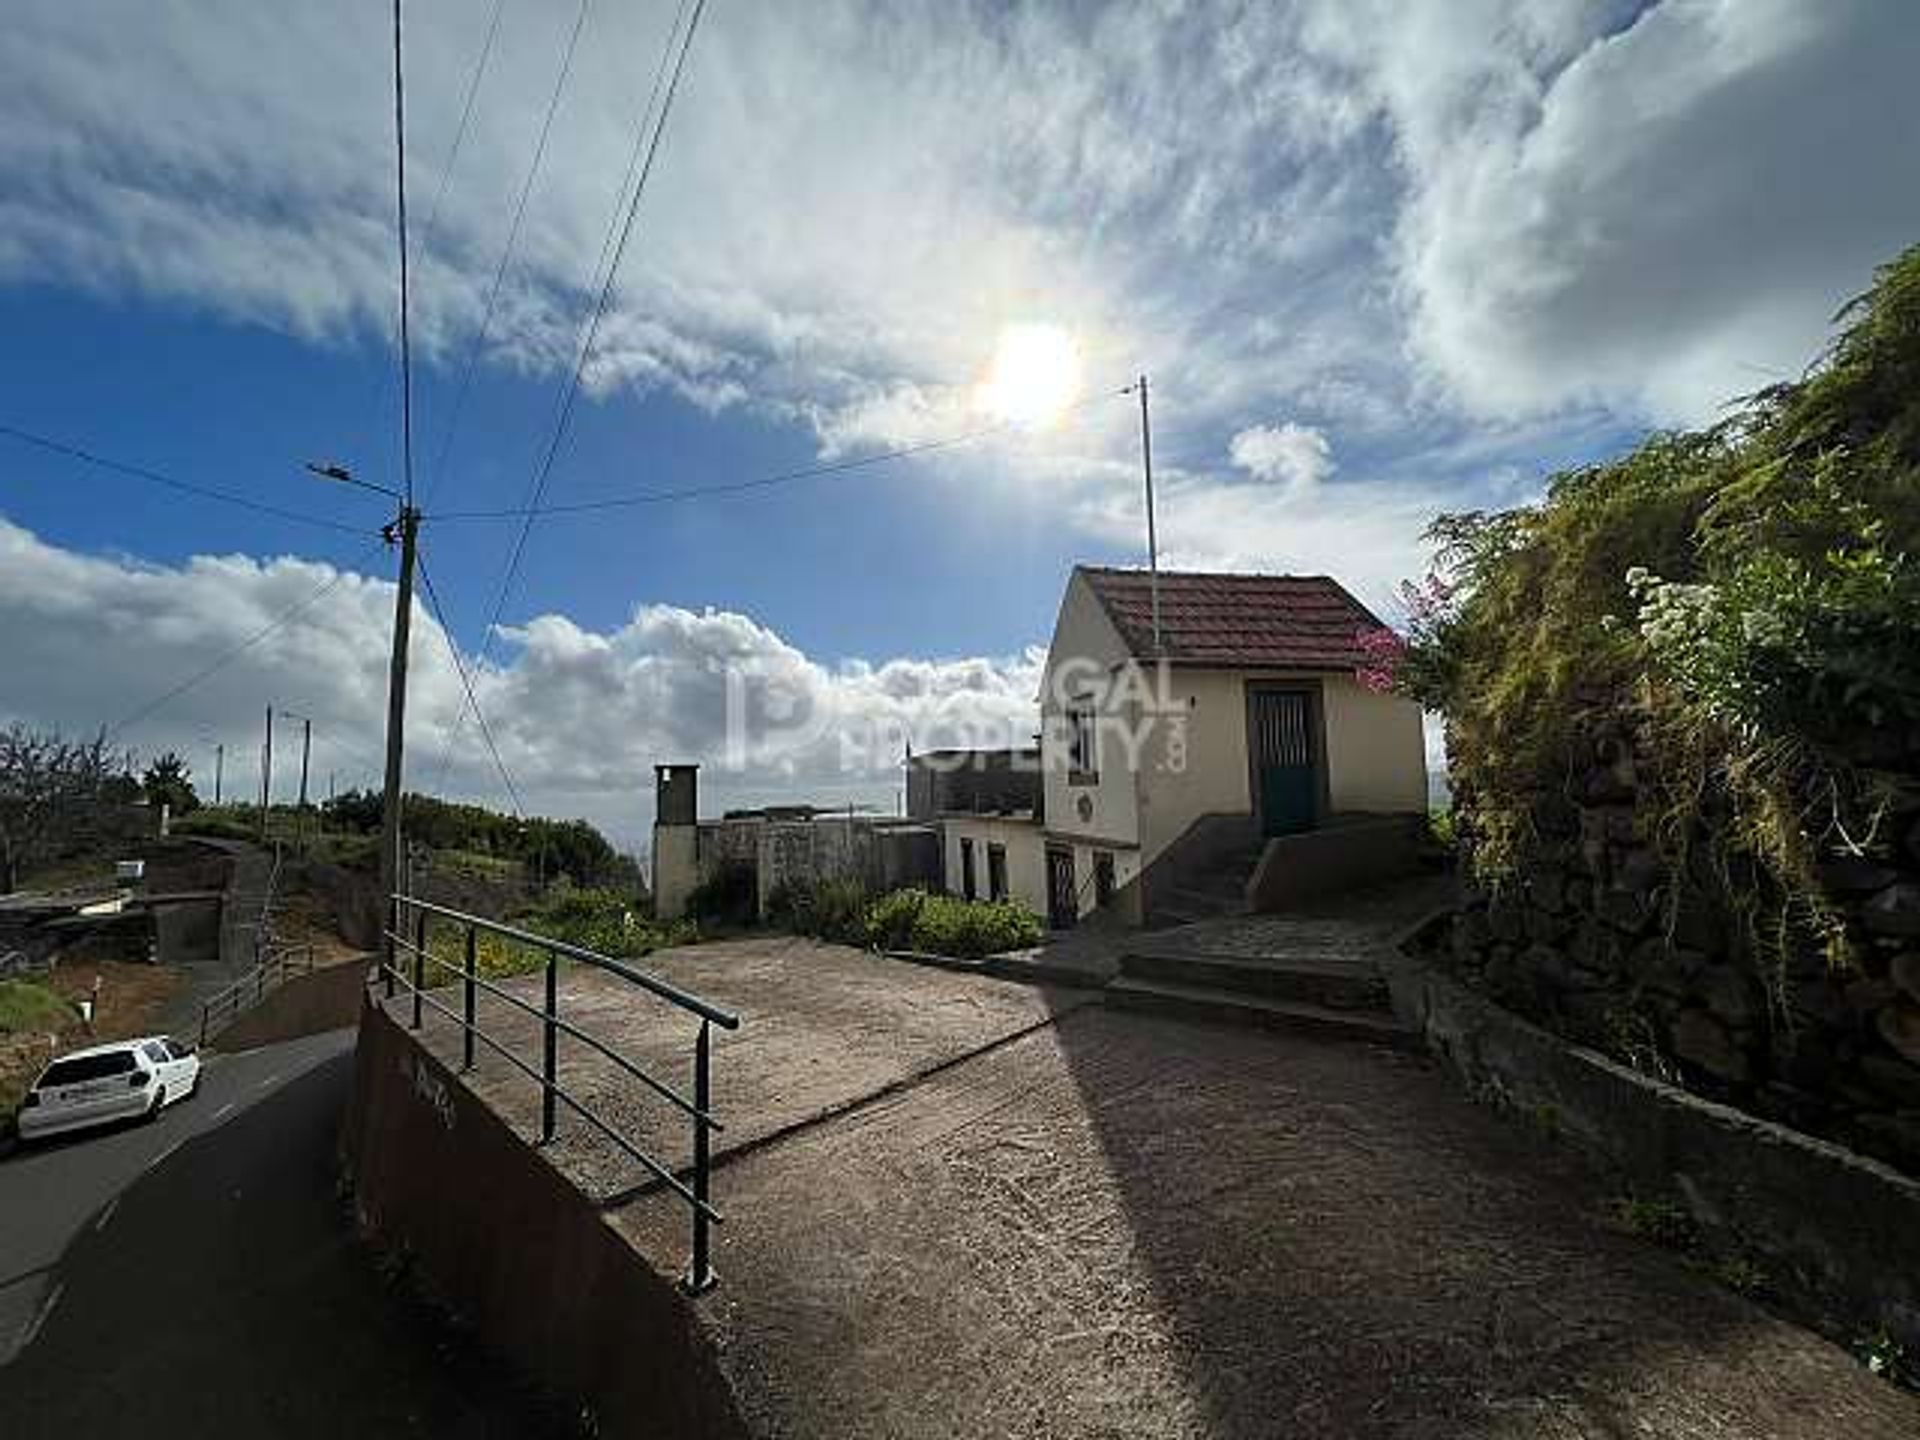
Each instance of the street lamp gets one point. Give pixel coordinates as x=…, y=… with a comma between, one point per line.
x=405, y=528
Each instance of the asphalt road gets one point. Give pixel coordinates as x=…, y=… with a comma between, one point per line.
x=201, y=1274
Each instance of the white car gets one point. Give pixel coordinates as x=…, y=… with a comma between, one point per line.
x=127, y=1080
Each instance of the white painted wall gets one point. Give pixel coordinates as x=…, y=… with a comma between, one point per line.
x=1376, y=750
x=1082, y=657
x=1026, y=857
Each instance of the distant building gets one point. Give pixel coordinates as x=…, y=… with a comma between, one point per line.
x=762, y=850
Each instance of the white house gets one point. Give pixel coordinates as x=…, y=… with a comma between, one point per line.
x=1231, y=754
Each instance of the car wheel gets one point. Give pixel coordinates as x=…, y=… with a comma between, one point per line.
x=159, y=1104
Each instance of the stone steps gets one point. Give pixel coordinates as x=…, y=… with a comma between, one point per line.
x=1265, y=1012
x=1328, y=981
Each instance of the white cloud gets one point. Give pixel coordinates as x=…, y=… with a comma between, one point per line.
x=580, y=716
x=1296, y=456
x=1655, y=207
x=1405, y=226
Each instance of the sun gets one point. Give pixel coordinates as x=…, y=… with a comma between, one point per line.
x=1034, y=377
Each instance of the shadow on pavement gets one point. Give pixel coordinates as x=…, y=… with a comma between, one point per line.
x=229, y=1296
x=1344, y=1246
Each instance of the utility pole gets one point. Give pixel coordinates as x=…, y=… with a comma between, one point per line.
x=408, y=528
x=219, y=766
x=1153, y=544
x=266, y=776
x=306, y=749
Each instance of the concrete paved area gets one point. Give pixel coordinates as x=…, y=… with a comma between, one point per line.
x=1129, y=1226
x=823, y=1027
x=977, y=1208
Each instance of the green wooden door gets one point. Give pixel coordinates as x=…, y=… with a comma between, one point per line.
x=1283, y=761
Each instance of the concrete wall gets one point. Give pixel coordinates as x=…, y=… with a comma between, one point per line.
x=1837, y=1232
x=1376, y=750
x=1350, y=852
x=676, y=868
x=327, y=999
x=513, y=1247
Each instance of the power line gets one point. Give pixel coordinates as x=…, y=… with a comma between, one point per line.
x=570, y=392
x=762, y=482
x=424, y=247
x=156, y=477
x=466, y=683
x=400, y=192
x=608, y=272
x=460, y=130
x=479, y=339
x=285, y=617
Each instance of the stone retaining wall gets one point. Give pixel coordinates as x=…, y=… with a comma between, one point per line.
x=1835, y=1232
x=1605, y=938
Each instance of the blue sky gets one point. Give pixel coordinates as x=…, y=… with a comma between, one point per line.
x=1381, y=261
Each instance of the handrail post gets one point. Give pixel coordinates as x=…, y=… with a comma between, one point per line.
x=466, y=1035
x=393, y=929
x=700, y=1274
x=419, y=961
x=549, y=1061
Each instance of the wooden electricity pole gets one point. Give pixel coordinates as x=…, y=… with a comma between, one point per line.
x=266, y=776
x=219, y=766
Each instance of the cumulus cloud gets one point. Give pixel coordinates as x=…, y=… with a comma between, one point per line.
x=1653, y=207
x=1446, y=240
x=580, y=716
x=1296, y=456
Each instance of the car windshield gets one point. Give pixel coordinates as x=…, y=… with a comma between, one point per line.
x=78, y=1068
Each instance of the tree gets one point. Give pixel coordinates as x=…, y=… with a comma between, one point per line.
x=169, y=782
x=50, y=787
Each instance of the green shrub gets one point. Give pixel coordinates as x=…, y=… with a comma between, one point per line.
x=1743, y=596
x=891, y=919
x=831, y=910
x=25, y=1005
x=968, y=929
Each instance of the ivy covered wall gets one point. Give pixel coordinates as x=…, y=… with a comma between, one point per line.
x=1683, y=712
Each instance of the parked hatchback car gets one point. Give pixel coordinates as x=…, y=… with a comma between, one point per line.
x=129, y=1079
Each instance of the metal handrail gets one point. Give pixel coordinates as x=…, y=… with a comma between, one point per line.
x=567, y=1027
x=226, y=1003
x=699, y=1109
x=726, y=1019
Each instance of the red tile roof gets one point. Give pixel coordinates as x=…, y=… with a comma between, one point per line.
x=1280, y=622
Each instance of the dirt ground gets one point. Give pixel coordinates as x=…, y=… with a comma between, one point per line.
x=962, y=1206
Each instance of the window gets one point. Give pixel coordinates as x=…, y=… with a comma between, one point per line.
x=1102, y=878
x=1083, y=761
x=997, y=872
x=82, y=1068
x=967, y=887
x=156, y=1052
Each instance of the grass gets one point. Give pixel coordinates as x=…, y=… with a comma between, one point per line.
x=26, y=1006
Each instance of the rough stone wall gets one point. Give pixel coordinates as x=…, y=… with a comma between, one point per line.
x=1603, y=935
x=808, y=852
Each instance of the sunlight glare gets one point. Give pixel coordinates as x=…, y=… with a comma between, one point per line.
x=1035, y=375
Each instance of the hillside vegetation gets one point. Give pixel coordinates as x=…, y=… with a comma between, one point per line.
x=1750, y=592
